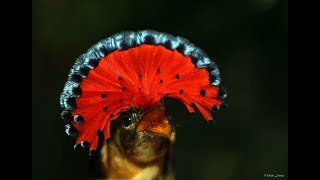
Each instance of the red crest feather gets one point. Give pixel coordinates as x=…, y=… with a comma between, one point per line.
x=137, y=77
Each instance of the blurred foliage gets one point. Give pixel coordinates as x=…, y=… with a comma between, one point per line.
x=247, y=38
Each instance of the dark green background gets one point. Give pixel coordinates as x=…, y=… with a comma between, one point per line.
x=248, y=40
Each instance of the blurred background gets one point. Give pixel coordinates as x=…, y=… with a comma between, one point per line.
x=248, y=39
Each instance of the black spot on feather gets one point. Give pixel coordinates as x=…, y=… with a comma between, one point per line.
x=181, y=48
x=148, y=39
x=84, y=71
x=76, y=78
x=70, y=130
x=202, y=92
x=71, y=102
x=77, y=91
x=78, y=119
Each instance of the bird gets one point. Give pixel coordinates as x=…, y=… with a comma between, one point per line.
x=114, y=102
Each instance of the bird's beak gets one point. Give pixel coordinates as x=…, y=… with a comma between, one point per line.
x=154, y=120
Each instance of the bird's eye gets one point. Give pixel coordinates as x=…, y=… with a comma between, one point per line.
x=126, y=120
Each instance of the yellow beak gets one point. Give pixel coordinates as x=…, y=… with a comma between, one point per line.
x=155, y=121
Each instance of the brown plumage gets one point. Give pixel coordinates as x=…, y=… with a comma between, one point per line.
x=140, y=147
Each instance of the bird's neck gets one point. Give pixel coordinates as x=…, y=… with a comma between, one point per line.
x=117, y=166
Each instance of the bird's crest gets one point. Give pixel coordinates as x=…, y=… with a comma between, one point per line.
x=136, y=70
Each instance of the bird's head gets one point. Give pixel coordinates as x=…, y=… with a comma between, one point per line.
x=143, y=136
